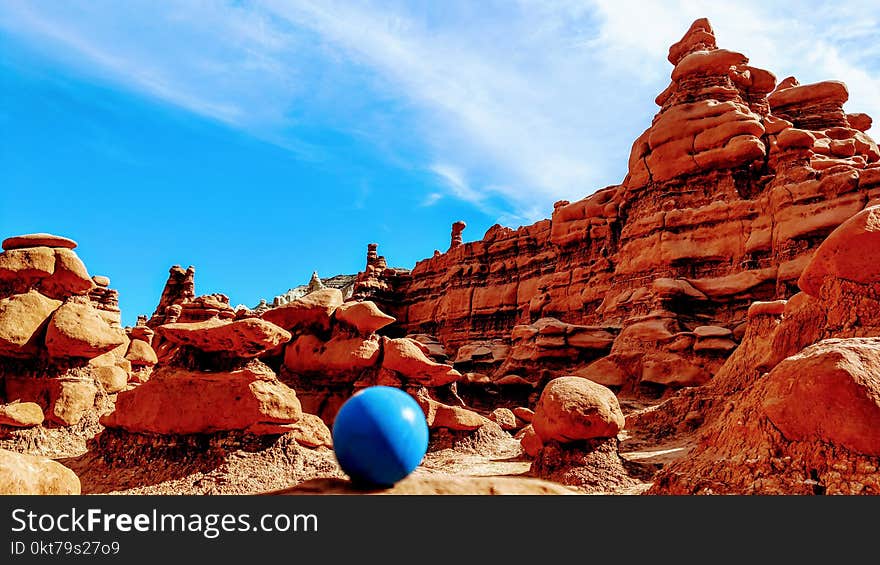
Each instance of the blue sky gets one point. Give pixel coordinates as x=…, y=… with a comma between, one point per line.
x=260, y=140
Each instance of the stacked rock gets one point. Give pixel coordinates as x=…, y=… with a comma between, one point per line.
x=61, y=344
x=336, y=350
x=573, y=435
x=212, y=380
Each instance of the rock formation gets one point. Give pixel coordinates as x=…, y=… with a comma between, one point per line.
x=796, y=408
x=723, y=299
x=729, y=192
x=336, y=350
x=573, y=435
x=345, y=284
x=27, y=474
x=62, y=349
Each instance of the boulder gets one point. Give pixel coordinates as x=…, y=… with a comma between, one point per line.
x=27, y=474
x=364, y=316
x=21, y=414
x=112, y=378
x=78, y=330
x=342, y=354
x=407, y=358
x=70, y=277
x=311, y=431
x=178, y=401
x=851, y=252
x=310, y=311
x=574, y=408
x=23, y=318
x=140, y=354
x=71, y=400
x=524, y=414
x=244, y=338
x=530, y=441
x=504, y=417
x=25, y=268
x=439, y=415
x=829, y=392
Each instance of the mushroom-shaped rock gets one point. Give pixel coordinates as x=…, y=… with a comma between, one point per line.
x=830, y=392
x=364, y=316
x=141, y=354
x=22, y=319
x=184, y=402
x=851, y=252
x=37, y=240
x=78, y=330
x=574, y=408
x=404, y=356
x=244, y=338
x=70, y=277
x=21, y=414
x=312, y=310
x=26, y=266
x=28, y=474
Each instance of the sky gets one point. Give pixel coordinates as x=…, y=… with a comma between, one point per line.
x=261, y=140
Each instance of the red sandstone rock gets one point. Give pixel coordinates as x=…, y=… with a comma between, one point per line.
x=27, y=474
x=23, y=318
x=837, y=257
x=439, y=415
x=405, y=357
x=311, y=431
x=71, y=399
x=829, y=392
x=574, y=408
x=112, y=378
x=859, y=121
x=176, y=401
x=77, y=330
x=699, y=37
x=245, y=338
x=312, y=310
x=524, y=414
x=530, y=441
x=140, y=354
x=504, y=417
x=37, y=240
x=364, y=316
x=21, y=414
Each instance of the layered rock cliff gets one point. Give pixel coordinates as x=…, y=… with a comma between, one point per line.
x=729, y=191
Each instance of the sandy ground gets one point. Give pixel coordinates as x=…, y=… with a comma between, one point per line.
x=489, y=461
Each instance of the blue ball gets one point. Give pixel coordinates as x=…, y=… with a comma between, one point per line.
x=380, y=435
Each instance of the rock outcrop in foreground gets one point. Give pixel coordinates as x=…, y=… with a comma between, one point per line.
x=796, y=410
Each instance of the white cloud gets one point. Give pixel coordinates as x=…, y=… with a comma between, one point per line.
x=431, y=199
x=514, y=105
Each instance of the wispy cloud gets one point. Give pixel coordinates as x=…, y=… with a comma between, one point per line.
x=511, y=105
x=432, y=198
